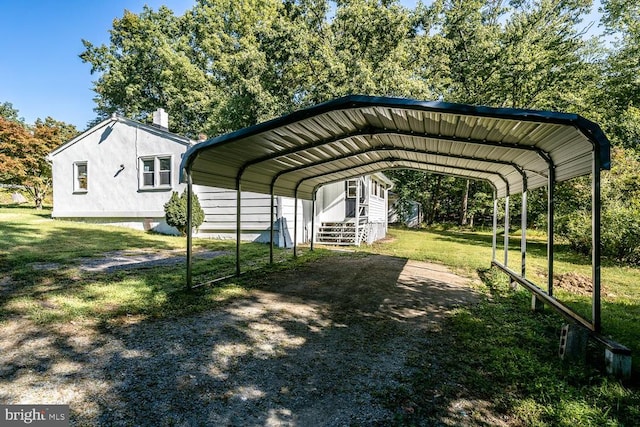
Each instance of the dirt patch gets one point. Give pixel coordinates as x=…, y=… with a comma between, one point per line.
x=574, y=283
x=318, y=345
x=129, y=260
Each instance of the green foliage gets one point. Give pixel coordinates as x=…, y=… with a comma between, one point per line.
x=24, y=150
x=228, y=64
x=176, y=211
x=8, y=112
x=620, y=231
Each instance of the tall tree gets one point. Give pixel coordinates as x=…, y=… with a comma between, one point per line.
x=23, y=154
x=8, y=112
x=620, y=99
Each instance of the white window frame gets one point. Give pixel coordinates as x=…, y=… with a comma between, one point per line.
x=77, y=188
x=351, y=188
x=156, y=173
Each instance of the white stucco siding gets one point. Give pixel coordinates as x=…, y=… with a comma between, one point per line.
x=112, y=154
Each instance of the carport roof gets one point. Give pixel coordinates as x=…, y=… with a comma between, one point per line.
x=359, y=135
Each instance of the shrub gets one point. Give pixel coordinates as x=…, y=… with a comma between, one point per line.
x=176, y=212
x=620, y=232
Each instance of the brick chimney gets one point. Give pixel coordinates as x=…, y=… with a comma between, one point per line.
x=161, y=119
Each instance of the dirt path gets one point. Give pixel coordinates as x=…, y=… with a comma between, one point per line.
x=320, y=345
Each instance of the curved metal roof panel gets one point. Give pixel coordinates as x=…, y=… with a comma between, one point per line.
x=359, y=135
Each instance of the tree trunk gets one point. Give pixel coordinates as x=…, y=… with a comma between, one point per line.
x=433, y=205
x=465, y=205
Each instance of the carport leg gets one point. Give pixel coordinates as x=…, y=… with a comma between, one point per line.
x=238, y=222
x=189, y=229
x=313, y=217
x=523, y=238
x=494, y=240
x=271, y=230
x=523, y=235
x=506, y=231
x=595, y=240
x=550, y=227
x=295, y=226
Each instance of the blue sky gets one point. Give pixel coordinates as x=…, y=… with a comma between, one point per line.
x=40, y=40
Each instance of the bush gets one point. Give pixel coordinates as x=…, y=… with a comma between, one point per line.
x=176, y=212
x=620, y=232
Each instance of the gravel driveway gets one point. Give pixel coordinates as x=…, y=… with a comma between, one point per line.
x=318, y=345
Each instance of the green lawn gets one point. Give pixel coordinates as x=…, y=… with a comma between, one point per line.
x=470, y=252
x=498, y=351
x=30, y=238
x=507, y=353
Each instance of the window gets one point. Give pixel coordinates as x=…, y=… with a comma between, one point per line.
x=80, y=177
x=155, y=172
x=351, y=188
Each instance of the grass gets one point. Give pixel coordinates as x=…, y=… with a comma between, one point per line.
x=470, y=251
x=497, y=351
x=505, y=353
x=56, y=292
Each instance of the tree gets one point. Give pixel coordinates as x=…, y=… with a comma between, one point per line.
x=23, y=154
x=176, y=211
x=8, y=112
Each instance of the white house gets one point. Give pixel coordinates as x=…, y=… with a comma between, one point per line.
x=122, y=172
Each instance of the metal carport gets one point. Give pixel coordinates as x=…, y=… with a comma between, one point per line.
x=514, y=150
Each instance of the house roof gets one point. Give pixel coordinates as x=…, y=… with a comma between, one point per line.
x=358, y=135
x=107, y=125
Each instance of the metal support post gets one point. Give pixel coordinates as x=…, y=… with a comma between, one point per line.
x=313, y=217
x=273, y=223
x=189, y=229
x=595, y=240
x=494, y=240
x=238, y=224
x=523, y=226
x=295, y=225
x=550, y=226
x=506, y=231
x=357, y=219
